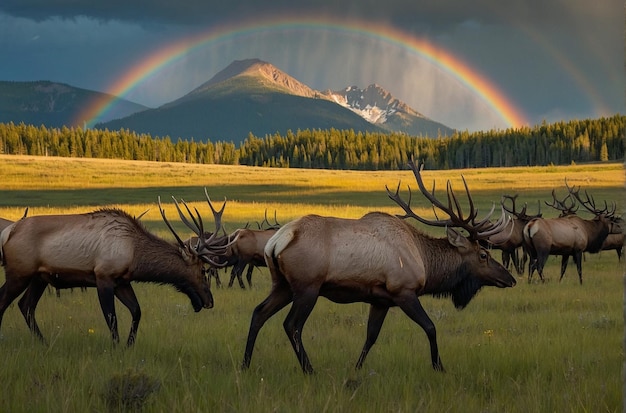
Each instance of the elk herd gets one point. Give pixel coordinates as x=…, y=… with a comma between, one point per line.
x=380, y=259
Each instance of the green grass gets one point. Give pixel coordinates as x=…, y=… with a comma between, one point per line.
x=552, y=347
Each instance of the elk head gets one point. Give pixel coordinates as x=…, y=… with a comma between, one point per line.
x=478, y=259
x=205, y=248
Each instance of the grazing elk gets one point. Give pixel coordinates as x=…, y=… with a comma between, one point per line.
x=379, y=259
x=510, y=241
x=567, y=235
x=106, y=249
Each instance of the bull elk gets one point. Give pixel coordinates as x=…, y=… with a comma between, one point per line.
x=247, y=251
x=379, y=259
x=510, y=241
x=568, y=235
x=107, y=249
x=614, y=242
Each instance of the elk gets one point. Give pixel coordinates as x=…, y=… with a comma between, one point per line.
x=567, y=235
x=378, y=259
x=614, y=242
x=248, y=250
x=510, y=241
x=107, y=249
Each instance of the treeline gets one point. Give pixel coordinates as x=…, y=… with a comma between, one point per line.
x=559, y=143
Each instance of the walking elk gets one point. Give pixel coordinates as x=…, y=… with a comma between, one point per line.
x=107, y=249
x=379, y=259
x=568, y=235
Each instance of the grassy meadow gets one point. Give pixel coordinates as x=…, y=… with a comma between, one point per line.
x=551, y=347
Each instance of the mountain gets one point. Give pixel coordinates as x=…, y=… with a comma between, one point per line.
x=54, y=104
x=253, y=96
x=379, y=107
x=248, y=96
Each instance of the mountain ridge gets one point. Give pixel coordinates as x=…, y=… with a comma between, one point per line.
x=248, y=96
x=54, y=104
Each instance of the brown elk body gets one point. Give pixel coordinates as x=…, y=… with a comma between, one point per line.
x=248, y=251
x=566, y=236
x=107, y=249
x=614, y=242
x=569, y=234
x=4, y=223
x=511, y=239
x=378, y=259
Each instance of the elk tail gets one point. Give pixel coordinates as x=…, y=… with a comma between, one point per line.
x=529, y=232
x=4, y=237
x=276, y=244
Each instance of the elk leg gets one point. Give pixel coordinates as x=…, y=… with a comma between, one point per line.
x=107, y=303
x=213, y=272
x=236, y=272
x=410, y=304
x=564, y=260
x=579, y=265
x=28, y=304
x=517, y=262
x=301, y=308
x=523, y=261
x=506, y=258
x=249, y=275
x=11, y=289
x=374, y=323
x=539, y=264
x=126, y=295
x=279, y=297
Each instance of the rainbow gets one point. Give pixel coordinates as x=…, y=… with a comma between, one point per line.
x=472, y=79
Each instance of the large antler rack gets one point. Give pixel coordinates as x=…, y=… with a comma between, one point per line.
x=589, y=203
x=566, y=208
x=209, y=245
x=477, y=230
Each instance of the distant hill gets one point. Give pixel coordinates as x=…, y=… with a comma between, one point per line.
x=253, y=96
x=54, y=104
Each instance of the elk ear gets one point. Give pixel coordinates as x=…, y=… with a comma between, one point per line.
x=457, y=239
x=185, y=253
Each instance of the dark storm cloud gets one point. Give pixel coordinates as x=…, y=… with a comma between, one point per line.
x=555, y=59
x=431, y=15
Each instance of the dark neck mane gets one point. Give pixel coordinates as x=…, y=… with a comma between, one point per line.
x=446, y=275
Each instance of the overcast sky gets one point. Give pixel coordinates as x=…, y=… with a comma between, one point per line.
x=550, y=59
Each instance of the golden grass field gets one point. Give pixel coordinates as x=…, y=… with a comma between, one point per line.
x=551, y=347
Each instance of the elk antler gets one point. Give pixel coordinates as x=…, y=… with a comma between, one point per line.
x=512, y=212
x=208, y=245
x=477, y=229
x=216, y=246
x=522, y=214
x=589, y=203
x=180, y=241
x=562, y=206
x=275, y=225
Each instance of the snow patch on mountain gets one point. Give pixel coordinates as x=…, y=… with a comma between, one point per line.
x=373, y=103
